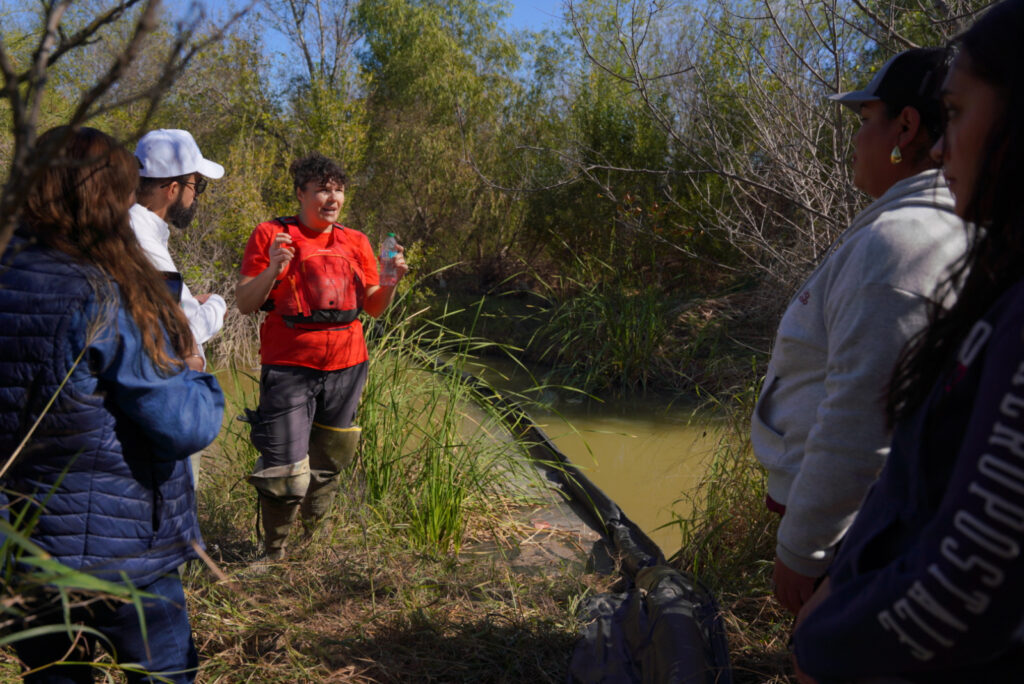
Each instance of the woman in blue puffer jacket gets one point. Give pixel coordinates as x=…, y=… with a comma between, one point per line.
x=99, y=478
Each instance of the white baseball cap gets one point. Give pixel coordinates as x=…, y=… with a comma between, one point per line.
x=170, y=152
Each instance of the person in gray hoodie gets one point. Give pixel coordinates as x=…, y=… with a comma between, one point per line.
x=819, y=426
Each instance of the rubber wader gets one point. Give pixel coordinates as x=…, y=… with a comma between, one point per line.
x=331, y=450
x=280, y=490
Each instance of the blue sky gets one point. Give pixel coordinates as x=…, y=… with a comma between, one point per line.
x=535, y=14
x=525, y=14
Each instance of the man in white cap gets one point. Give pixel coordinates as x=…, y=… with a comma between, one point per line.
x=173, y=175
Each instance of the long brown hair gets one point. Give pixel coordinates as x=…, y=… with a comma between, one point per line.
x=994, y=261
x=80, y=207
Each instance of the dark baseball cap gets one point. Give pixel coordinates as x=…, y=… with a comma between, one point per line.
x=912, y=77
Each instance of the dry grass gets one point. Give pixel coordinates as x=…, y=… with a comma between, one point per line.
x=357, y=605
x=361, y=603
x=758, y=633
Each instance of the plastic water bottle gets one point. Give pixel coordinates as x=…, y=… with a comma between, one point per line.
x=388, y=252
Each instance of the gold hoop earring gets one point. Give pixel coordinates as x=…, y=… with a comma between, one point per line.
x=895, y=156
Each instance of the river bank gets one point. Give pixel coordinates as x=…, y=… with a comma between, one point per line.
x=616, y=343
x=358, y=603
x=368, y=602
x=363, y=602
x=420, y=572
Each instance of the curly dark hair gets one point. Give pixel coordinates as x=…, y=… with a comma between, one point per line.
x=991, y=50
x=318, y=168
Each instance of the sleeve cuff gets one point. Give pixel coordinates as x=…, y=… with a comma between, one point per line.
x=218, y=302
x=811, y=567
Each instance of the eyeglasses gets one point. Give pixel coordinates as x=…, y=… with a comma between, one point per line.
x=198, y=186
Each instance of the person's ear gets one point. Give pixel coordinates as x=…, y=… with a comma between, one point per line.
x=910, y=125
x=172, y=190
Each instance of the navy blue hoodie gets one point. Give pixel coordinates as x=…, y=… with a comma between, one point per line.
x=928, y=584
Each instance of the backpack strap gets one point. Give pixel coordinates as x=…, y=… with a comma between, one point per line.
x=286, y=223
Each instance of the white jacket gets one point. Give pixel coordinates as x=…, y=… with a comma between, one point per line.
x=205, y=319
x=819, y=425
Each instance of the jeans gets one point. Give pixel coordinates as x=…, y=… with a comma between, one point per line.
x=167, y=650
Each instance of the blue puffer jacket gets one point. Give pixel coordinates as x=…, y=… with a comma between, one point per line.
x=106, y=470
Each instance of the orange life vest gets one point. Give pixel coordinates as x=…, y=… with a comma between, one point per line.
x=321, y=284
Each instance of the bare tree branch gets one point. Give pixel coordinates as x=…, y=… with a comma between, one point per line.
x=779, y=145
x=25, y=91
x=88, y=33
x=888, y=26
x=328, y=23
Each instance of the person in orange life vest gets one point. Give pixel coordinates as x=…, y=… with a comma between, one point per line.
x=312, y=276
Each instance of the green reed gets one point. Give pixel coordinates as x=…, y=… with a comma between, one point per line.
x=730, y=534
x=602, y=334
x=431, y=456
x=728, y=542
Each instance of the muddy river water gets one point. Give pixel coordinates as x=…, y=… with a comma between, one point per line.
x=647, y=454
x=649, y=464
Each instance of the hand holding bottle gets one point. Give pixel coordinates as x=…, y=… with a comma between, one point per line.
x=392, y=261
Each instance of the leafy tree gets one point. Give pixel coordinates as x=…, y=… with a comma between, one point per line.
x=436, y=75
x=599, y=185
x=53, y=37
x=896, y=25
x=742, y=96
x=322, y=97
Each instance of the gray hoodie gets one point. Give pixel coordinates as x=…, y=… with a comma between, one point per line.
x=819, y=425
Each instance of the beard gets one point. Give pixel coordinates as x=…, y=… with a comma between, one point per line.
x=179, y=216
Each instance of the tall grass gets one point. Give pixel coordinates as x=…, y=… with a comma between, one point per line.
x=436, y=469
x=431, y=452
x=431, y=457
x=607, y=333
x=730, y=532
x=382, y=594
x=728, y=541
x=226, y=501
x=606, y=336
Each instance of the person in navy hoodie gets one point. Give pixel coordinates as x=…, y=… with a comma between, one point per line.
x=926, y=585
x=99, y=477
